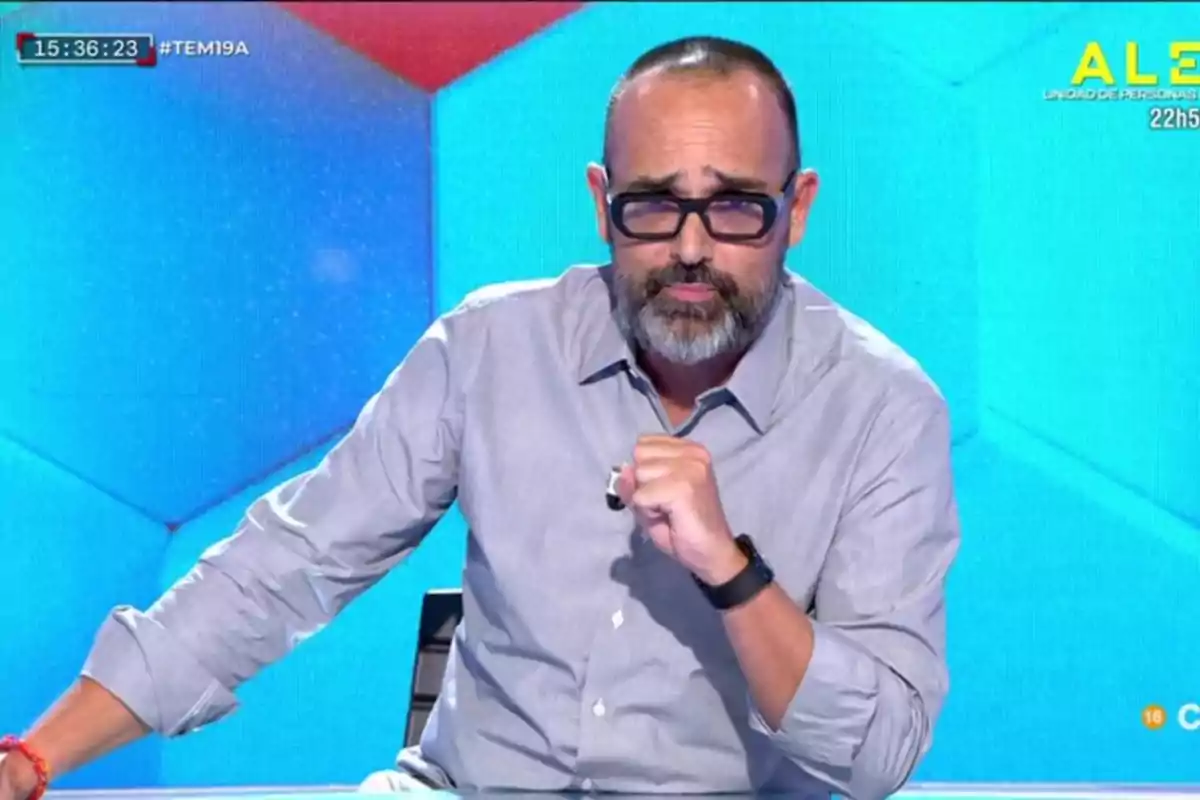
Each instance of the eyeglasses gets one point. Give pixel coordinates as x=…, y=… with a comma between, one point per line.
x=727, y=216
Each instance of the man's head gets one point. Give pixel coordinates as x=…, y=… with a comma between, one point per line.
x=700, y=119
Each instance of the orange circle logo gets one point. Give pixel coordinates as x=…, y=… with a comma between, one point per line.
x=1154, y=717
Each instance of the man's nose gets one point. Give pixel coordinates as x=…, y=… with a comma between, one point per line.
x=693, y=244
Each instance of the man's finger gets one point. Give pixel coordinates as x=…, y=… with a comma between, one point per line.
x=665, y=438
x=656, y=496
x=658, y=447
x=646, y=471
x=626, y=484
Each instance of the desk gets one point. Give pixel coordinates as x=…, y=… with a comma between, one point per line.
x=914, y=792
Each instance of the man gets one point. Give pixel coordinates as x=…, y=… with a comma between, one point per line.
x=759, y=607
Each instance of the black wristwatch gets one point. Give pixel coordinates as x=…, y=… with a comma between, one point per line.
x=741, y=588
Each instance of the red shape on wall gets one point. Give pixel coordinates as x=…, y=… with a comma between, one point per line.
x=431, y=44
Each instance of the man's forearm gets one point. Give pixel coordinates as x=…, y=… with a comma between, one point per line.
x=773, y=640
x=87, y=722
x=831, y=708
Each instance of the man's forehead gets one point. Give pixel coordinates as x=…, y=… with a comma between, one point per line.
x=699, y=125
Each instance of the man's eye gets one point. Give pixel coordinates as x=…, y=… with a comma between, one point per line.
x=734, y=205
x=652, y=205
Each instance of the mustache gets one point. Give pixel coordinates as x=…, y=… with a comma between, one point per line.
x=702, y=273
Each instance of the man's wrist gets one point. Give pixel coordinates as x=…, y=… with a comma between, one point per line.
x=19, y=772
x=725, y=566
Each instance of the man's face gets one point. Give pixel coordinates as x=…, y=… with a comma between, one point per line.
x=692, y=297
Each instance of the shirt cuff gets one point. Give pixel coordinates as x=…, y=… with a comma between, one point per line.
x=138, y=660
x=826, y=723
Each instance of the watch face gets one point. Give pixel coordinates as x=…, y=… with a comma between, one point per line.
x=747, y=546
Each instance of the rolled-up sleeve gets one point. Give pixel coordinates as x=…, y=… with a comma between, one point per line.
x=864, y=713
x=301, y=553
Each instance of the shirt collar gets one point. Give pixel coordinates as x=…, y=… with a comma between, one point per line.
x=755, y=381
x=608, y=351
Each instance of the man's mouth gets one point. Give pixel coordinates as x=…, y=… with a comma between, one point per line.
x=690, y=292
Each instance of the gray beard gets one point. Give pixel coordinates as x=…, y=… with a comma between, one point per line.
x=680, y=340
x=672, y=340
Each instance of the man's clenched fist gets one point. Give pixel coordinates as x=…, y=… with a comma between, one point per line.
x=672, y=491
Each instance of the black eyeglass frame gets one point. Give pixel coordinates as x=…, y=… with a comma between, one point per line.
x=770, y=205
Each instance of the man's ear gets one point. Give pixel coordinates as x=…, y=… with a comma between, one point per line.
x=597, y=181
x=804, y=194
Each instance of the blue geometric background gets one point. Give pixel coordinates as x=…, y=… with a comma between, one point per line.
x=208, y=267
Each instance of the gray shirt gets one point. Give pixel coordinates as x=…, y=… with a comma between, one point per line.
x=587, y=659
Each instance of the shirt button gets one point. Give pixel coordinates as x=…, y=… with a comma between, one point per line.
x=598, y=708
x=617, y=619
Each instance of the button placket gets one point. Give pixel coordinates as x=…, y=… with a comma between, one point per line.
x=596, y=695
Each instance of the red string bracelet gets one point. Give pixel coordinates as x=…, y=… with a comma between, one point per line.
x=9, y=743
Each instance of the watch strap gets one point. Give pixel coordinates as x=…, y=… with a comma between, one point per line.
x=743, y=587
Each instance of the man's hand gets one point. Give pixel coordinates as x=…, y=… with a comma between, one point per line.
x=673, y=493
x=18, y=778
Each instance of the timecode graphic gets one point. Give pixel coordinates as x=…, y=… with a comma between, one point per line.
x=82, y=49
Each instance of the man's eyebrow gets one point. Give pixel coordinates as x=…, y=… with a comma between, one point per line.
x=653, y=183
x=726, y=182
x=738, y=183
